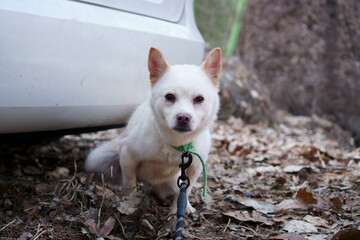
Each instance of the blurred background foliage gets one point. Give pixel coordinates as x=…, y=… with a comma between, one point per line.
x=219, y=21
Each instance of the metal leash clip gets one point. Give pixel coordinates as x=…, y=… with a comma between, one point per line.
x=183, y=166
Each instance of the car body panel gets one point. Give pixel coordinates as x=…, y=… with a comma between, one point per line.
x=169, y=10
x=68, y=64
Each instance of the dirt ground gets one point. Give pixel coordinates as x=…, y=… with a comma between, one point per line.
x=307, y=54
x=295, y=180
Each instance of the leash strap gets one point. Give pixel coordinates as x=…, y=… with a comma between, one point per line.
x=181, y=205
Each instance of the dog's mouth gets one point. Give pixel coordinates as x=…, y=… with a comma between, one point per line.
x=182, y=129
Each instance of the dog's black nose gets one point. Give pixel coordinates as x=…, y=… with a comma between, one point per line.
x=183, y=122
x=183, y=119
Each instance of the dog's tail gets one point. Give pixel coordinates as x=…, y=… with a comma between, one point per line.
x=105, y=158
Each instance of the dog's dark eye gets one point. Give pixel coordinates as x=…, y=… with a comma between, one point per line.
x=199, y=99
x=170, y=97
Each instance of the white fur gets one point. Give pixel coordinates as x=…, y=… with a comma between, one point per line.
x=143, y=152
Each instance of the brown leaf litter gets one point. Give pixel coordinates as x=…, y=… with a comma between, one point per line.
x=295, y=180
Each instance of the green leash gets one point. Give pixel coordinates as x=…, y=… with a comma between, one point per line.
x=186, y=148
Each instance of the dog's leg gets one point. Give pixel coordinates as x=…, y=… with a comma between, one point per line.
x=128, y=170
x=193, y=173
x=165, y=189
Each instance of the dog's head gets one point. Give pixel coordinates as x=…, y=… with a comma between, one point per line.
x=184, y=97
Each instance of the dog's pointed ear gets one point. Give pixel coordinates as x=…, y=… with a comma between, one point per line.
x=157, y=65
x=212, y=65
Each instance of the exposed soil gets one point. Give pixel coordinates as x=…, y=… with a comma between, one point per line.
x=307, y=54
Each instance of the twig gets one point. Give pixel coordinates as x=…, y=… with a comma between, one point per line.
x=203, y=217
x=227, y=225
x=247, y=228
x=122, y=227
x=37, y=235
x=321, y=159
x=75, y=170
x=67, y=184
x=61, y=188
x=7, y=224
x=76, y=188
x=40, y=231
x=240, y=226
x=102, y=201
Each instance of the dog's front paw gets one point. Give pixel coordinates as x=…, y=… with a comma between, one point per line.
x=190, y=209
x=173, y=209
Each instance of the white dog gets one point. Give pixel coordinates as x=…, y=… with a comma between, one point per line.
x=183, y=103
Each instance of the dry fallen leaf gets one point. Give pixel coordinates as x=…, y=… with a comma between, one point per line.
x=289, y=204
x=41, y=188
x=310, y=153
x=269, y=168
x=299, y=226
x=336, y=204
x=258, y=205
x=59, y=172
x=293, y=168
x=111, y=237
x=104, y=231
x=103, y=192
x=306, y=197
x=25, y=236
x=108, y=227
x=129, y=204
x=246, y=216
x=91, y=224
x=317, y=221
x=287, y=236
x=317, y=237
x=347, y=234
x=280, y=180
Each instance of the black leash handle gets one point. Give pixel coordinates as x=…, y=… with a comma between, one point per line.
x=183, y=183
